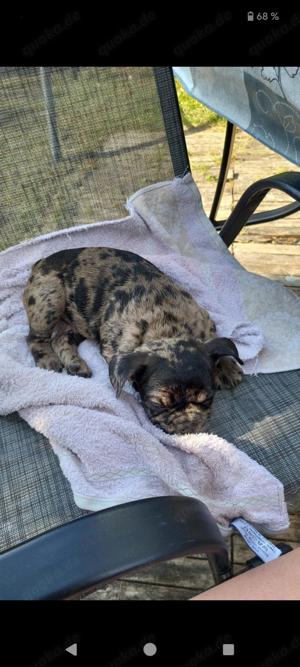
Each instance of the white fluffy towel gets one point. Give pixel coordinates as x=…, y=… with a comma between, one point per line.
x=107, y=448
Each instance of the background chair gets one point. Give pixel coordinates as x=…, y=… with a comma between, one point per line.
x=74, y=147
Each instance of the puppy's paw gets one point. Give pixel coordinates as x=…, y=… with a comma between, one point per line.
x=228, y=374
x=50, y=362
x=79, y=367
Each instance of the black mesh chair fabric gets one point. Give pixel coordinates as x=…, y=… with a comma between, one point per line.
x=261, y=417
x=36, y=496
x=76, y=142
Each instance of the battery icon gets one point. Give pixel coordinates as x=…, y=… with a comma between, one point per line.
x=250, y=16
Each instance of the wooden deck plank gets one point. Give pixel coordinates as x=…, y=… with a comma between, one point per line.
x=283, y=231
x=283, y=266
x=126, y=590
x=270, y=250
x=182, y=572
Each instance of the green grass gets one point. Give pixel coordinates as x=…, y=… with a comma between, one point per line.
x=193, y=113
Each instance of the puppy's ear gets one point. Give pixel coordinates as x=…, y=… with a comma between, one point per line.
x=123, y=367
x=222, y=347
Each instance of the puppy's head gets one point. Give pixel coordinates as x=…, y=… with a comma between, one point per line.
x=176, y=382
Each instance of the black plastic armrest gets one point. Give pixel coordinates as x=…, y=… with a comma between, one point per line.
x=100, y=546
x=288, y=182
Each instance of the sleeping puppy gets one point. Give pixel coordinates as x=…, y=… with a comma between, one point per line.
x=148, y=328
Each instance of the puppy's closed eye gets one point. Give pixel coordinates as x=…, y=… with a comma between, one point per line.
x=199, y=397
x=207, y=403
x=203, y=403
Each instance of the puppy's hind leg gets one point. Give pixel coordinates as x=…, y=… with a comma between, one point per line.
x=42, y=352
x=44, y=302
x=64, y=342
